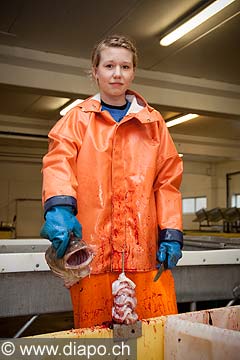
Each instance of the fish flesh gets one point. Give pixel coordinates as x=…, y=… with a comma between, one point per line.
x=74, y=265
x=124, y=301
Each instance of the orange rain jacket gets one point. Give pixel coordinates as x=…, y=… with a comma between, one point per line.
x=123, y=177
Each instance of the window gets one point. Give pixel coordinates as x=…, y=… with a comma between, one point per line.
x=200, y=203
x=193, y=204
x=236, y=200
x=188, y=206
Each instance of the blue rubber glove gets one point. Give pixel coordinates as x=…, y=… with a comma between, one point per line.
x=170, y=250
x=60, y=222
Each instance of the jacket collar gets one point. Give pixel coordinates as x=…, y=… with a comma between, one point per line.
x=139, y=107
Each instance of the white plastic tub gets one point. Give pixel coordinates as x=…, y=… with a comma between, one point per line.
x=203, y=335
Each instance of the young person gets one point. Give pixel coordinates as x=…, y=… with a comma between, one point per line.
x=112, y=176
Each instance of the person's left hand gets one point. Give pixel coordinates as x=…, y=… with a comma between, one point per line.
x=170, y=250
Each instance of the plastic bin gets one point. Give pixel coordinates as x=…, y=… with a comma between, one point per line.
x=209, y=334
x=203, y=335
x=150, y=346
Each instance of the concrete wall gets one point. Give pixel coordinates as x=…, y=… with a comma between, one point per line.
x=234, y=183
x=197, y=182
x=20, y=196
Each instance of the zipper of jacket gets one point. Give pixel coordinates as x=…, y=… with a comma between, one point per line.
x=112, y=207
x=125, y=220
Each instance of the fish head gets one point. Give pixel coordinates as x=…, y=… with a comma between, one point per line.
x=74, y=265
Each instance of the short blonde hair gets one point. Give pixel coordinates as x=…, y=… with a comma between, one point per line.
x=114, y=41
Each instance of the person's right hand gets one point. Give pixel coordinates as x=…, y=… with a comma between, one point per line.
x=60, y=223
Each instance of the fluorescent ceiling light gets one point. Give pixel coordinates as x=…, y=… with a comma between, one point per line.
x=181, y=119
x=70, y=106
x=195, y=21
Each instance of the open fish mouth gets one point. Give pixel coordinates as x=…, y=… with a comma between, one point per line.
x=78, y=259
x=74, y=265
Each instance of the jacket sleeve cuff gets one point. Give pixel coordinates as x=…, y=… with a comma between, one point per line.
x=60, y=200
x=171, y=235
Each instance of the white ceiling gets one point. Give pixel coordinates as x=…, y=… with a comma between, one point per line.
x=45, y=48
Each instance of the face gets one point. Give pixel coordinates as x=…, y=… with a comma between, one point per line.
x=114, y=74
